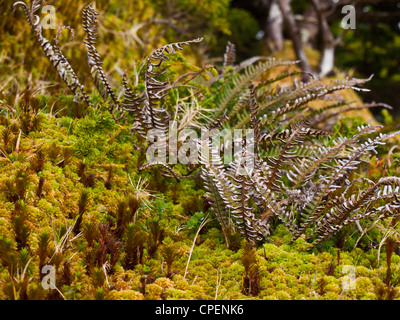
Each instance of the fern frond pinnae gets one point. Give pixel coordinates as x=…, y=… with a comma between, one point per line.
x=53, y=52
x=155, y=89
x=89, y=23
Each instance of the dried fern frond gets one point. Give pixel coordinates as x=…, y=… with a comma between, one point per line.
x=212, y=177
x=292, y=103
x=155, y=89
x=289, y=101
x=53, y=52
x=132, y=104
x=231, y=88
x=302, y=202
x=322, y=116
x=333, y=181
x=307, y=170
x=244, y=199
x=293, y=138
x=348, y=210
x=282, y=183
x=230, y=54
x=89, y=23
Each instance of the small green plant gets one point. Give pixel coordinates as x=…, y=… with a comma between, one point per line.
x=8, y=255
x=134, y=240
x=156, y=234
x=82, y=208
x=44, y=250
x=384, y=292
x=169, y=252
x=20, y=224
x=195, y=220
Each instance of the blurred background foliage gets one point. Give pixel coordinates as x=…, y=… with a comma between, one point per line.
x=372, y=48
x=130, y=30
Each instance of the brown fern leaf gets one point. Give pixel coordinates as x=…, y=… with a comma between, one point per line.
x=230, y=54
x=329, y=183
x=132, y=103
x=52, y=52
x=243, y=200
x=272, y=206
x=297, y=134
x=347, y=210
x=89, y=23
x=255, y=123
x=294, y=101
x=304, y=173
x=156, y=90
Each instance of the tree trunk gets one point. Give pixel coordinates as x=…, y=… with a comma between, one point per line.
x=274, y=28
x=328, y=43
x=294, y=35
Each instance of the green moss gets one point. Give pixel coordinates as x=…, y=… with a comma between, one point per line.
x=364, y=288
x=125, y=295
x=177, y=294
